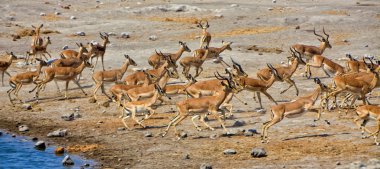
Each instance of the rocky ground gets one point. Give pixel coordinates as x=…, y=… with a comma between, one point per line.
x=261, y=32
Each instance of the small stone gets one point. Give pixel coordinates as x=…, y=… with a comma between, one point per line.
x=260, y=53
x=106, y=104
x=239, y=123
x=59, y=150
x=153, y=37
x=23, y=128
x=254, y=131
x=186, y=156
x=248, y=133
x=92, y=100
x=86, y=165
x=206, y=166
x=69, y=117
x=183, y=135
x=258, y=152
x=58, y=133
x=298, y=27
x=366, y=46
x=80, y=34
x=42, y=14
x=270, y=9
x=73, y=17
x=67, y=161
x=34, y=139
x=261, y=110
x=125, y=35
x=148, y=134
x=13, y=135
x=57, y=13
x=99, y=122
x=121, y=129
x=345, y=40
x=234, y=132
x=234, y=5
x=40, y=145
x=77, y=115
x=214, y=136
x=229, y=151
x=219, y=15
x=111, y=33
x=274, y=1
x=11, y=18
x=65, y=47
x=338, y=163
x=27, y=106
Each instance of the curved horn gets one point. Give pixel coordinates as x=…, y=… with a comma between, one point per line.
x=317, y=34
x=327, y=35
x=126, y=56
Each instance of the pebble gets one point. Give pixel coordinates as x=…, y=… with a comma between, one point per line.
x=1, y=133
x=261, y=110
x=40, y=145
x=229, y=151
x=148, y=134
x=68, y=117
x=366, y=46
x=65, y=47
x=73, y=17
x=270, y=9
x=258, y=152
x=153, y=37
x=298, y=27
x=42, y=14
x=248, y=133
x=254, y=131
x=238, y=123
x=121, y=129
x=92, y=100
x=67, y=161
x=206, y=166
x=186, y=156
x=23, y=128
x=27, y=106
x=99, y=122
x=80, y=33
x=34, y=139
x=219, y=15
x=57, y=13
x=274, y=1
x=59, y=150
x=58, y=133
x=214, y=136
x=183, y=135
x=125, y=35
x=234, y=5
x=106, y=104
x=111, y=33
x=13, y=135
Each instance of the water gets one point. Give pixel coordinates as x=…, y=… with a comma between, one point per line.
x=19, y=152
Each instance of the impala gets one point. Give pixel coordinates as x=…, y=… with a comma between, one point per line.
x=206, y=36
x=285, y=73
x=293, y=109
x=41, y=50
x=327, y=65
x=4, y=65
x=156, y=60
x=354, y=65
x=213, y=51
x=36, y=39
x=17, y=81
x=115, y=75
x=66, y=54
x=100, y=50
x=188, y=62
x=139, y=77
x=180, y=88
x=66, y=74
x=207, y=104
x=309, y=51
x=142, y=106
x=71, y=62
x=366, y=113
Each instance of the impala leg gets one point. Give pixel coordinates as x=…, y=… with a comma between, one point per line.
x=2, y=78
x=98, y=84
x=67, y=86
x=177, y=116
x=202, y=119
x=264, y=134
x=216, y=114
x=291, y=83
x=259, y=98
x=151, y=112
x=102, y=62
x=199, y=71
x=104, y=91
x=124, y=120
x=327, y=73
x=269, y=97
x=56, y=84
x=80, y=87
x=48, y=54
x=135, y=118
x=195, y=124
x=9, y=94
x=18, y=87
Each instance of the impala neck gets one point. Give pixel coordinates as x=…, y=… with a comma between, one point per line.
x=221, y=49
x=163, y=80
x=153, y=99
x=124, y=68
x=178, y=54
x=221, y=96
x=162, y=68
x=374, y=81
x=270, y=81
x=80, y=68
x=105, y=43
x=80, y=53
x=314, y=96
x=294, y=65
x=322, y=47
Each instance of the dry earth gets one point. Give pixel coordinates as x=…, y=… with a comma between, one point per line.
x=354, y=27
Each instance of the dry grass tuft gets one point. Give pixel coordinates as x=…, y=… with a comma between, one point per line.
x=82, y=148
x=249, y=31
x=336, y=12
x=51, y=17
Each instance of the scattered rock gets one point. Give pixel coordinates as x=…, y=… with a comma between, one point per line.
x=27, y=106
x=99, y=122
x=153, y=37
x=248, y=133
x=345, y=40
x=1, y=133
x=239, y=123
x=168, y=8
x=57, y=13
x=206, y=166
x=214, y=136
x=92, y=100
x=338, y=163
x=218, y=15
x=13, y=135
x=106, y=104
x=254, y=131
x=121, y=129
x=59, y=150
x=40, y=145
x=68, y=117
x=73, y=17
x=234, y=5
x=186, y=156
x=366, y=46
x=125, y=35
x=80, y=34
x=258, y=152
x=183, y=135
x=34, y=139
x=270, y=9
x=148, y=134
x=111, y=33
x=42, y=14
x=67, y=161
x=65, y=47
x=229, y=151
x=274, y=1
x=23, y=128
x=261, y=110
x=10, y=18
x=234, y=132
x=298, y=27
x=77, y=115
x=86, y=165
x=58, y=133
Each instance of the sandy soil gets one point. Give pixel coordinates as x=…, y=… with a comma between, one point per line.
x=353, y=25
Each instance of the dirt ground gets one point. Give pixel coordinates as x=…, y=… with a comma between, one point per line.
x=259, y=30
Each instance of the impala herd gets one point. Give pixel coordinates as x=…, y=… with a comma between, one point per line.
x=140, y=93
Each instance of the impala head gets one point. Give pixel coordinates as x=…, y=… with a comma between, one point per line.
x=130, y=60
x=104, y=37
x=38, y=28
x=323, y=39
x=11, y=55
x=371, y=66
x=274, y=71
x=81, y=47
x=238, y=69
x=227, y=44
x=321, y=85
x=297, y=55
x=151, y=77
x=184, y=46
x=228, y=83
x=200, y=25
x=42, y=62
x=48, y=40
x=172, y=74
x=348, y=55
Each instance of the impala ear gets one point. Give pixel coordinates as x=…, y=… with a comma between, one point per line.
x=41, y=25
x=126, y=56
x=33, y=27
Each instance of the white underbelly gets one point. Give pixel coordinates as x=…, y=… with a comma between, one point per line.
x=295, y=113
